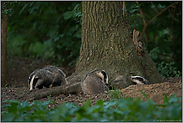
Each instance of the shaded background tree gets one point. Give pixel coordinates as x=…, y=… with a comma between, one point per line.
x=46, y=36
x=4, y=63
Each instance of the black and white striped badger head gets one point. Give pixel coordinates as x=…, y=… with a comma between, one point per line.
x=49, y=75
x=102, y=75
x=139, y=80
x=95, y=82
x=40, y=78
x=30, y=77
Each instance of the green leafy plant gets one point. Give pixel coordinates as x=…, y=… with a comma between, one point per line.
x=126, y=109
x=52, y=30
x=168, y=70
x=116, y=94
x=162, y=38
x=48, y=30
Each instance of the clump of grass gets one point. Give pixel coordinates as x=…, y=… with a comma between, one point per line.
x=116, y=94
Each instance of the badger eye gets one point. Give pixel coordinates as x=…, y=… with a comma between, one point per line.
x=138, y=78
x=100, y=78
x=36, y=78
x=143, y=82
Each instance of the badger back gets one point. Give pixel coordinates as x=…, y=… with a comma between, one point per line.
x=59, y=75
x=55, y=70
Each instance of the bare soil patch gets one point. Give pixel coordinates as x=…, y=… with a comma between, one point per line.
x=20, y=68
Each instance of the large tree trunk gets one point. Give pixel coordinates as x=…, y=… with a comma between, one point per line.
x=107, y=44
x=4, y=63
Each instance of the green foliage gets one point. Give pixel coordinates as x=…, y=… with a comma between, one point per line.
x=116, y=94
x=46, y=30
x=134, y=17
x=68, y=46
x=52, y=30
x=126, y=109
x=9, y=6
x=168, y=70
x=163, y=35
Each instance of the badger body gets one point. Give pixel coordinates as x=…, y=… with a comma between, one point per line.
x=95, y=82
x=139, y=80
x=59, y=75
x=49, y=75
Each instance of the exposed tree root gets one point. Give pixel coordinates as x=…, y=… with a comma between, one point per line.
x=65, y=89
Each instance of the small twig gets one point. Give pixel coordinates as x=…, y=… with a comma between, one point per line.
x=145, y=24
x=13, y=5
x=142, y=15
x=173, y=16
x=155, y=17
x=161, y=12
x=169, y=32
x=162, y=19
x=124, y=8
x=154, y=7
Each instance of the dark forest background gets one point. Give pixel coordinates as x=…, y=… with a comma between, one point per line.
x=52, y=31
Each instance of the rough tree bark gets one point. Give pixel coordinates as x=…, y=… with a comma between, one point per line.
x=107, y=44
x=4, y=63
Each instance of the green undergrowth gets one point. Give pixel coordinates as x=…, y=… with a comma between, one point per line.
x=117, y=109
x=117, y=94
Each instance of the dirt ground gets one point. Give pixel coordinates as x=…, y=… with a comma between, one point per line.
x=20, y=68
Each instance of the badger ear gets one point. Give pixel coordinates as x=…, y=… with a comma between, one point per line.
x=36, y=78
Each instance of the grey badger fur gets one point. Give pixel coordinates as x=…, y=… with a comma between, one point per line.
x=139, y=80
x=49, y=75
x=58, y=75
x=95, y=82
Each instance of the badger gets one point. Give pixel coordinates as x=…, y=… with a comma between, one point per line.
x=139, y=80
x=58, y=75
x=49, y=75
x=95, y=82
x=40, y=78
x=30, y=76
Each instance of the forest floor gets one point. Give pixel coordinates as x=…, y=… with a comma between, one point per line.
x=20, y=68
